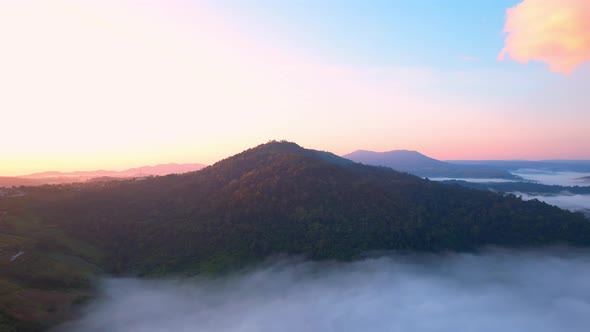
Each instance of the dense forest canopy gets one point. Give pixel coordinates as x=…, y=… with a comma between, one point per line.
x=281, y=198
x=277, y=198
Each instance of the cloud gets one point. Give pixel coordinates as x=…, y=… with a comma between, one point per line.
x=495, y=291
x=556, y=32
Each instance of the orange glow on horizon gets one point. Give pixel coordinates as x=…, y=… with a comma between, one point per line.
x=111, y=84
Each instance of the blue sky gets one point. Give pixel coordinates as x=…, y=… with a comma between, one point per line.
x=380, y=33
x=451, y=38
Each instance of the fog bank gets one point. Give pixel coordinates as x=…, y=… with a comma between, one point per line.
x=496, y=291
x=564, y=201
x=553, y=178
x=475, y=180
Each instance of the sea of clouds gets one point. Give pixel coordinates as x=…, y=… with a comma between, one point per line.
x=475, y=180
x=496, y=290
x=565, y=200
x=553, y=178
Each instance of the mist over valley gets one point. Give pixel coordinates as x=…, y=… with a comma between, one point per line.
x=492, y=290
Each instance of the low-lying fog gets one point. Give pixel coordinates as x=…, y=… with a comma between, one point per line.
x=476, y=180
x=564, y=201
x=499, y=290
x=553, y=178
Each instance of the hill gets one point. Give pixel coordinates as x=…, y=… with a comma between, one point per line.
x=281, y=198
x=157, y=170
x=43, y=271
x=10, y=181
x=54, y=177
x=402, y=159
x=418, y=164
x=277, y=198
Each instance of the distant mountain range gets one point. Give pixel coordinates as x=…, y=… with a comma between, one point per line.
x=54, y=177
x=582, y=166
x=418, y=164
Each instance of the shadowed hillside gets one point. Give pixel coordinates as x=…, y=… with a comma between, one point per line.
x=281, y=198
x=277, y=198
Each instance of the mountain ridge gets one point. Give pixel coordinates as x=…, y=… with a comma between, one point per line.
x=155, y=170
x=281, y=198
x=58, y=177
x=274, y=199
x=416, y=163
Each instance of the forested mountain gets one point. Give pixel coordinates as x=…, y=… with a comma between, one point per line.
x=418, y=164
x=273, y=199
x=157, y=170
x=281, y=198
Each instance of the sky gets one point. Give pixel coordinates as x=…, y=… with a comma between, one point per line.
x=113, y=84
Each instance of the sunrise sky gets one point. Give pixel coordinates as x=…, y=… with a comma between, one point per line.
x=112, y=84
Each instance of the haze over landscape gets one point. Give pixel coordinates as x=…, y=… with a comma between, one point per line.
x=200, y=165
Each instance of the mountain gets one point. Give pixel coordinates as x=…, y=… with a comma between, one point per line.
x=162, y=169
x=157, y=170
x=54, y=177
x=281, y=198
x=416, y=163
x=277, y=198
x=9, y=181
x=402, y=159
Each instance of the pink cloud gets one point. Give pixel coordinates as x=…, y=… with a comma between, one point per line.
x=556, y=32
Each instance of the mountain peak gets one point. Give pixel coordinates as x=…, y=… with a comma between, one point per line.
x=400, y=159
x=276, y=155
x=281, y=198
x=416, y=163
x=279, y=146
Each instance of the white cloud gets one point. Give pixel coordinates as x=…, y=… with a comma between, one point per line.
x=556, y=32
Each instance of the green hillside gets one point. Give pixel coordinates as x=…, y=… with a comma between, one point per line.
x=281, y=198
x=43, y=271
x=277, y=198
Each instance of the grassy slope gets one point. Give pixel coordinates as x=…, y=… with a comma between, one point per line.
x=39, y=288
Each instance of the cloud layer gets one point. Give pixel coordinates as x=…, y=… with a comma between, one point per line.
x=562, y=178
x=564, y=201
x=556, y=32
x=495, y=291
